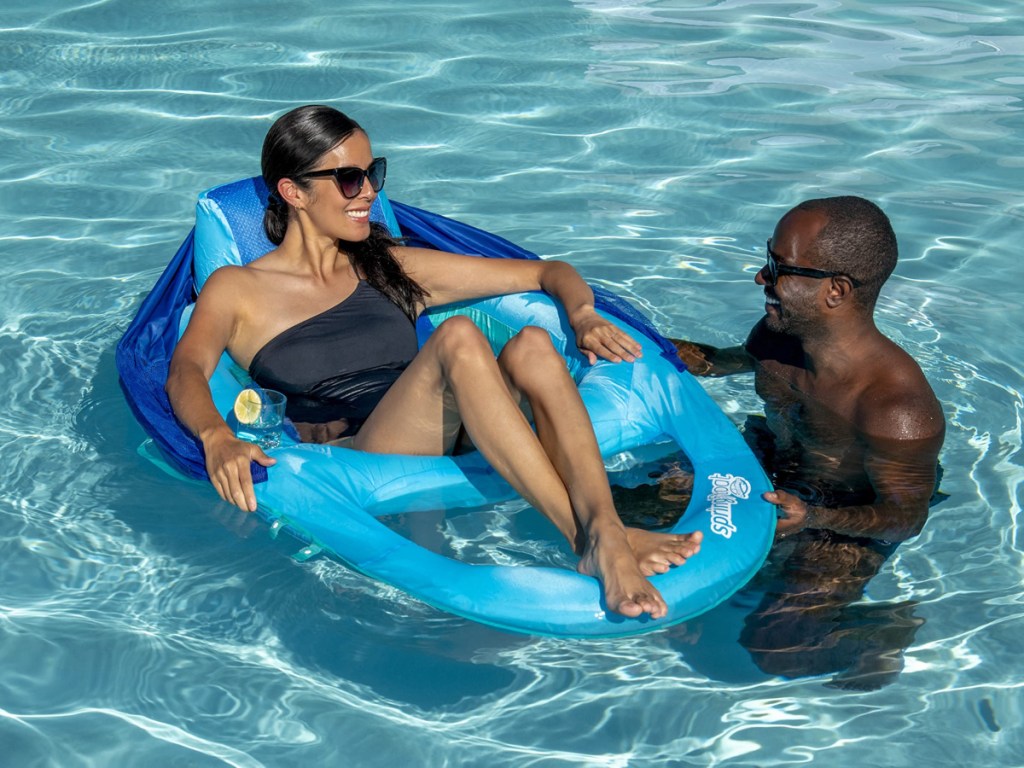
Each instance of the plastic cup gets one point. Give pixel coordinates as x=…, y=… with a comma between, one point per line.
x=265, y=429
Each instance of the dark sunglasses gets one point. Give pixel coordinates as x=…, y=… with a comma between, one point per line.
x=776, y=270
x=350, y=178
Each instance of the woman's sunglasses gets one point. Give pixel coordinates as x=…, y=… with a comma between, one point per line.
x=350, y=179
x=776, y=270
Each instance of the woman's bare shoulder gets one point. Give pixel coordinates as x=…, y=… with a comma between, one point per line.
x=223, y=278
x=231, y=281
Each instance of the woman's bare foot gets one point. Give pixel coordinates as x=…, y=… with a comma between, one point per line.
x=658, y=552
x=610, y=560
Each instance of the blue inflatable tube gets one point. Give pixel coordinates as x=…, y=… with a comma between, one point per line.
x=331, y=497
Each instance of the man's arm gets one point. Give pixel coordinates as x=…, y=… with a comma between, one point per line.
x=901, y=427
x=761, y=344
x=902, y=472
x=705, y=360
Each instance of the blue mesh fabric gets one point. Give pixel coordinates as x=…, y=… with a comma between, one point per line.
x=243, y=204
x=143, y=355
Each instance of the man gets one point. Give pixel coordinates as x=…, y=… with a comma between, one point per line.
x=851, y=437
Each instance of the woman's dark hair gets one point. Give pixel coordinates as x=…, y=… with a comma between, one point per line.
x=294, y=145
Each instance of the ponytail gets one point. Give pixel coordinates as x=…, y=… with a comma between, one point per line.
x=275, y=219
x=374, y=262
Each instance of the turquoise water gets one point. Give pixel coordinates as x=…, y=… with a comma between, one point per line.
x=653, y=144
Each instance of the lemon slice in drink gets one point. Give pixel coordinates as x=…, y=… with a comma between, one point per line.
x=248, y=406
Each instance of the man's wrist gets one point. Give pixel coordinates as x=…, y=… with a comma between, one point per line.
x=813, y=518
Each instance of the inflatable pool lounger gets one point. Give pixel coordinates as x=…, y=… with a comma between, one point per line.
x=330, y=497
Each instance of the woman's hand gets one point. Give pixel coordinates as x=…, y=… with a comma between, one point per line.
x=597, y=337
x=227, y=463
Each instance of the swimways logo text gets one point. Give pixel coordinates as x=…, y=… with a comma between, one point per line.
x=726, y=490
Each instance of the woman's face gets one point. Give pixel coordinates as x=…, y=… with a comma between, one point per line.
x=335, y=215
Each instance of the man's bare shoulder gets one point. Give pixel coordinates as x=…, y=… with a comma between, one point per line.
x=897, y=402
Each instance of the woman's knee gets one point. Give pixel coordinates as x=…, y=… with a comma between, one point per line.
x=530, y=352
x=458, y=339
x=530, y=343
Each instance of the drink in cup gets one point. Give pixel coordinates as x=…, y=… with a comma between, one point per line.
x=260, y=416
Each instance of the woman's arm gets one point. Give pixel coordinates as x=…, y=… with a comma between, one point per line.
x=450, y=277
x=208, y=334
x=595, y=336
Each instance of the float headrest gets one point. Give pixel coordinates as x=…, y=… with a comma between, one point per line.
x=229, y=225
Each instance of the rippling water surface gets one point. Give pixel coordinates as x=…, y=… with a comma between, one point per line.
x=652, y=143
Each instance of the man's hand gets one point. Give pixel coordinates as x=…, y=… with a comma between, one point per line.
x=694, y=355
x=795, y=513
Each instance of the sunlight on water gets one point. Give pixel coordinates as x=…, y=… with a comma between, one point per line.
x=653, y=143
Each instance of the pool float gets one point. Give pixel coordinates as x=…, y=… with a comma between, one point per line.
x=330, y=498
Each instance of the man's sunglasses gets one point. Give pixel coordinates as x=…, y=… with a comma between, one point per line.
x=776, y=270
x=350, y=178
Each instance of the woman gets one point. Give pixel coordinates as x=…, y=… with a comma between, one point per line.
x=335, y=304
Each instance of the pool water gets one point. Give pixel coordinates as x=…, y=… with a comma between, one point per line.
x=654, y=144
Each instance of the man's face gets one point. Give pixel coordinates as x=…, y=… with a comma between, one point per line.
x=793, y=303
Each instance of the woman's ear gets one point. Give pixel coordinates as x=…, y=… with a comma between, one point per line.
x=290, y=192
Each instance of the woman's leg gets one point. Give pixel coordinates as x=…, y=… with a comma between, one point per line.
x=535, y=369
x=456, y=378
x=455, y=381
